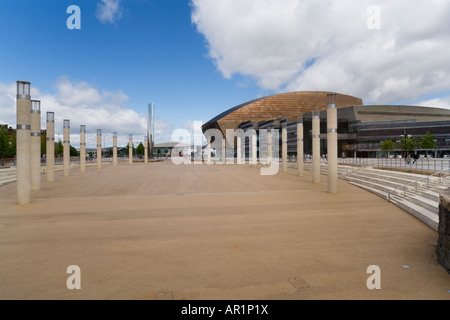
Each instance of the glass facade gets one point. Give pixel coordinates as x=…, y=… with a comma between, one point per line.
x=359, y=138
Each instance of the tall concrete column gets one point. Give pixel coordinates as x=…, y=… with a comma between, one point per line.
x=332, y=143
x=239, y=150
x=254, y=150
x=151, y=128
x=35, y=145
x=115, y=149
x=50, y=150
x=130, y=149
x=224, y=149
x=209, y=152
x=66, y=145
x=316, y=145
x=83, y=148
x=146, y=149
x=99, y=149
x=300, y=146
x=284, y=150
x=23, y=142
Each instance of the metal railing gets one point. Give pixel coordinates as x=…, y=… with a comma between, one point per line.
x=422, y=164
x=441, y=174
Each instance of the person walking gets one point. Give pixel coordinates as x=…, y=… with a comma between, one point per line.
x=408, y=159
x=416, y=157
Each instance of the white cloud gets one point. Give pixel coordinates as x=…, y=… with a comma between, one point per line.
x=84, y=104
x=109, y=11
x=326, y=45
x=8, y=103
x=443, y=103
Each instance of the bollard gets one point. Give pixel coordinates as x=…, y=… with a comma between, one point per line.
x=83, y=148
x=23, y=141
x=99, y=149
x=332, y=140
x=300, y=146
x=284, y=141
x=130, y=149
x=35, y=145
x=115, y=149
x=316, y=145
x=50, y=152
x=66, y=145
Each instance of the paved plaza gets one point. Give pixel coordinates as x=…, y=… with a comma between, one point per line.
x=211, y=232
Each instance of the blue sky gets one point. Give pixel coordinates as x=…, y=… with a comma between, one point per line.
x=152, y=54
x=195, y=59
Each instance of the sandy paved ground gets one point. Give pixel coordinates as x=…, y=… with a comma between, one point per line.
x=211, y=232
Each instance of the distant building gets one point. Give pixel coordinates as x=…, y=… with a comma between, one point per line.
x=166, y=149
x=361, y=128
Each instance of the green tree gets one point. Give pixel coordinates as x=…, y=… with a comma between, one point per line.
x=140, y=150
x=59, y=149
x=7, y=144
x=428, y=142
x=407, y=144
x=73, y=152
x=43, y=144
x=12, y=145
x=128, y=147
x=4, y=144
x=387, y=145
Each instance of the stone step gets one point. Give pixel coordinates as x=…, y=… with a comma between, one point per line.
x=426, y=203
x=5, y=181
x=375, y=191
x=400, y=174
x=13, y=174
x=430, y=218
x=387, y=176
x=385, y=182
x=361, y=181
x=429, y=194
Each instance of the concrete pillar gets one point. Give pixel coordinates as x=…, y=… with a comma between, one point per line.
x=130, y=150
x=224, y=149
x=99, y=149
x=115, y=149
x=23, y=142
x=151, y=128
x=284, y=151
x=239, y=150
x=83, y=148
x=146, y=149
x=35, y=145
x=300, y=146
x=316, y=145
x=50, y=152
x=254, y=150
x=332, y=144
x=208, y=150
x=66, y=145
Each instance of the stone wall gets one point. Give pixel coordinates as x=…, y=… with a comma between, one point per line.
x=443, y=246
